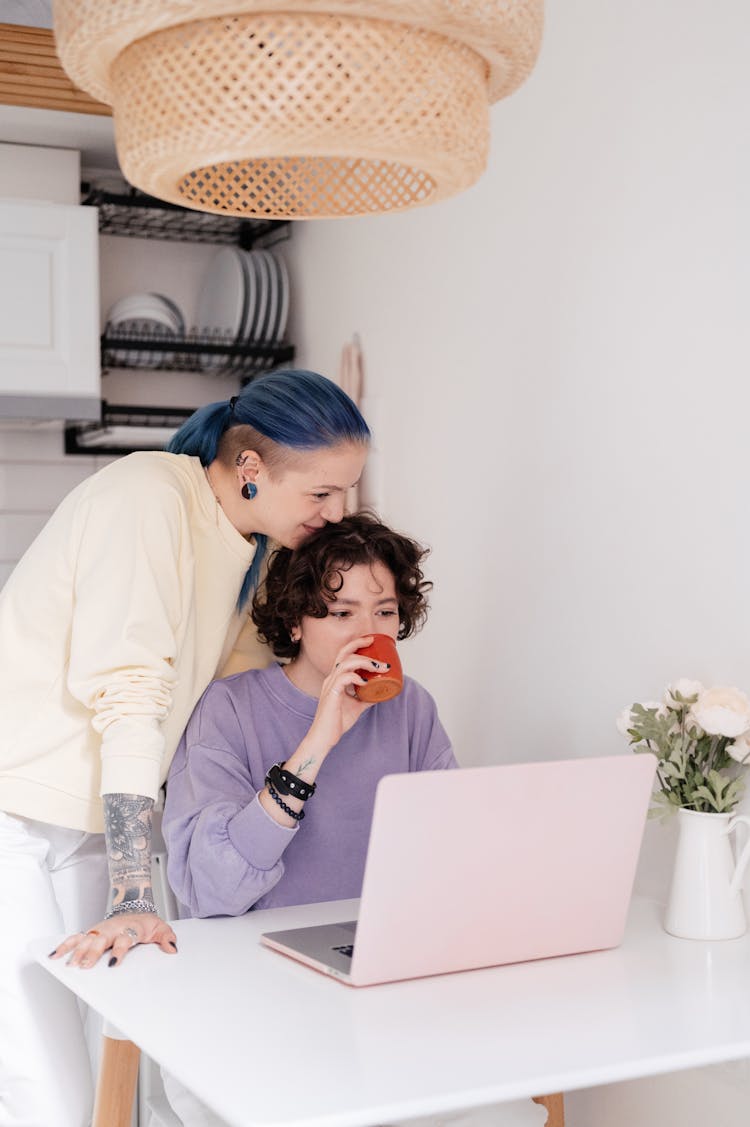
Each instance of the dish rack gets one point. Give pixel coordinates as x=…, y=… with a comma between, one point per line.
x=123, y=430
x=135, y=215
x=194, y=352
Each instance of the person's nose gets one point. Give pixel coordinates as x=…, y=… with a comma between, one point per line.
x=333, y=510
x=369, y=624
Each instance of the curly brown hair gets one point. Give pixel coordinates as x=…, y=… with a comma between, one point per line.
x=302, y=582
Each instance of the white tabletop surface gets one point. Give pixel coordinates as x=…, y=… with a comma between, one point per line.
x=265, y=1041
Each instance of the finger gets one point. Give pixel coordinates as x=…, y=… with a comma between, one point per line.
x=164, y=937
x=125, y=940
x=139, y=933
x=351, y=647
x=66, y=946
x=354, y=663
x=99, y=944
x=168, y=945
x=88, y=951
x=344, y=682
x=358, y=662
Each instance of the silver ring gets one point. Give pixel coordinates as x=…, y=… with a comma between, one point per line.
x=132, y=933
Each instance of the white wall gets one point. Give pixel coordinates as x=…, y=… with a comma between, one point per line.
x=560, y=357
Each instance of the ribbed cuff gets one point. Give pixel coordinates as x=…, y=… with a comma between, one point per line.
x=258, y=837
x=130, y=774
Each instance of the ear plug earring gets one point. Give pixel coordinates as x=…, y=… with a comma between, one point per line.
x=249, y=490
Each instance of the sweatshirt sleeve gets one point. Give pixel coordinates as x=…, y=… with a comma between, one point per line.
x=225, y=851
x=133, y=557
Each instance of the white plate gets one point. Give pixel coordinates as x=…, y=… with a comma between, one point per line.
x=283, y=299
x=147, y=307
x=260, y=268
x=251, y=296
x=221, y=302
x=256, y=297
x=269, y=325
x=150, y=328
x=174, y=309
x=140, y=305
x=148, y=315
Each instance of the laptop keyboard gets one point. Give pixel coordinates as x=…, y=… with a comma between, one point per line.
x=345, y=949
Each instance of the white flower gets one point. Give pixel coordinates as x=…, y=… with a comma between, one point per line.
x=692, y=727
x=740, y=749
x=686, y=688
x=722, y=711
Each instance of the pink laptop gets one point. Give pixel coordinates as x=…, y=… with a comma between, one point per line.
x=488, y=865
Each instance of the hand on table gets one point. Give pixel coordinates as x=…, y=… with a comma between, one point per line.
x=117, y=934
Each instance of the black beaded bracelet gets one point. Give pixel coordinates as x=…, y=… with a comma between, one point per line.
x=298, y=815
x=288, y=784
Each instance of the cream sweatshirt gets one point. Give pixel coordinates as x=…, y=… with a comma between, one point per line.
x=111, y=626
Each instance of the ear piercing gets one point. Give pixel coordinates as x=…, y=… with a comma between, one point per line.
x=249, y=490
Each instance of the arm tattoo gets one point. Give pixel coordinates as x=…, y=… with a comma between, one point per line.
x=127, y=832
x=308, y=763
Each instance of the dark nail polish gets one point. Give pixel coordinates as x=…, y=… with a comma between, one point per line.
x=388, y=665
x=52, y=953
x=173, y=944
x=112, y=961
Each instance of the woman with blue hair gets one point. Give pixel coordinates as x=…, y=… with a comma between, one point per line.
x=124, y=608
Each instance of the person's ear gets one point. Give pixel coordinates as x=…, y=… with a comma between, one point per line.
x=295, y=634
x=248, y=465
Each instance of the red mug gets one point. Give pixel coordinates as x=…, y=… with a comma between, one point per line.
x=381, y=684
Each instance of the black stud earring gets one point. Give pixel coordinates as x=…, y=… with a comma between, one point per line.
x=249, y=490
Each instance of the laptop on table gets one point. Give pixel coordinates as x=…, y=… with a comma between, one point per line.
x=484, y=866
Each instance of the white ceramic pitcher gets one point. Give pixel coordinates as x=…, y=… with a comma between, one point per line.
x=705, y=899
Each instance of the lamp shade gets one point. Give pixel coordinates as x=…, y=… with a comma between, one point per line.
x=299, y=111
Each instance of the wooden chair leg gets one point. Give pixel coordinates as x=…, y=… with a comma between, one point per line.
x=555, y=1109
x=115, y=1087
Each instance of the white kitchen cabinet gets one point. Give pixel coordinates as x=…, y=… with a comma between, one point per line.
x=49, y=311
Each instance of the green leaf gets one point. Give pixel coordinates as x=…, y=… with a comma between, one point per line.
x=695, y=769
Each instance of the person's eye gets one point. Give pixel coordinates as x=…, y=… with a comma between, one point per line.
x=386, y=613
x=321, y=496
x=338, y=614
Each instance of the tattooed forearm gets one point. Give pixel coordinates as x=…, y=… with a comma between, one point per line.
x=308, y=763
x=127, y=832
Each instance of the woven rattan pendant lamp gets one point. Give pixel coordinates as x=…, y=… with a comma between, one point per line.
x=277, y=109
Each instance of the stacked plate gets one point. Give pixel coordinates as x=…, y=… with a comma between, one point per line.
x=244, y=300
x=145, y=316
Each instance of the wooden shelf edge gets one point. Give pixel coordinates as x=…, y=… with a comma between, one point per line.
x=30, y=52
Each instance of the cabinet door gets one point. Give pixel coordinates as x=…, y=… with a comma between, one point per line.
x=49, y=311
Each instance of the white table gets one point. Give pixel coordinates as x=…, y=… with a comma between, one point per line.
x=227, y=1013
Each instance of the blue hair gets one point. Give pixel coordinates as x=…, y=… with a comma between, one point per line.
x=292, y=407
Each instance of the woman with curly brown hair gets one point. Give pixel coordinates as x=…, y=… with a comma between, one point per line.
x=232, y=844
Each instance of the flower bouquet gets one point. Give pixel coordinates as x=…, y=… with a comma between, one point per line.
x=701, y=737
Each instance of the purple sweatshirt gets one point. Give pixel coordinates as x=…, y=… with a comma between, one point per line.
x=226, y=854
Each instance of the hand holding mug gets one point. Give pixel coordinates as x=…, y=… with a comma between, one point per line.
x=380, y=684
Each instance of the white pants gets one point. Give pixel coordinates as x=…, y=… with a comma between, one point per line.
x=52, y=881
x=519, y=1113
